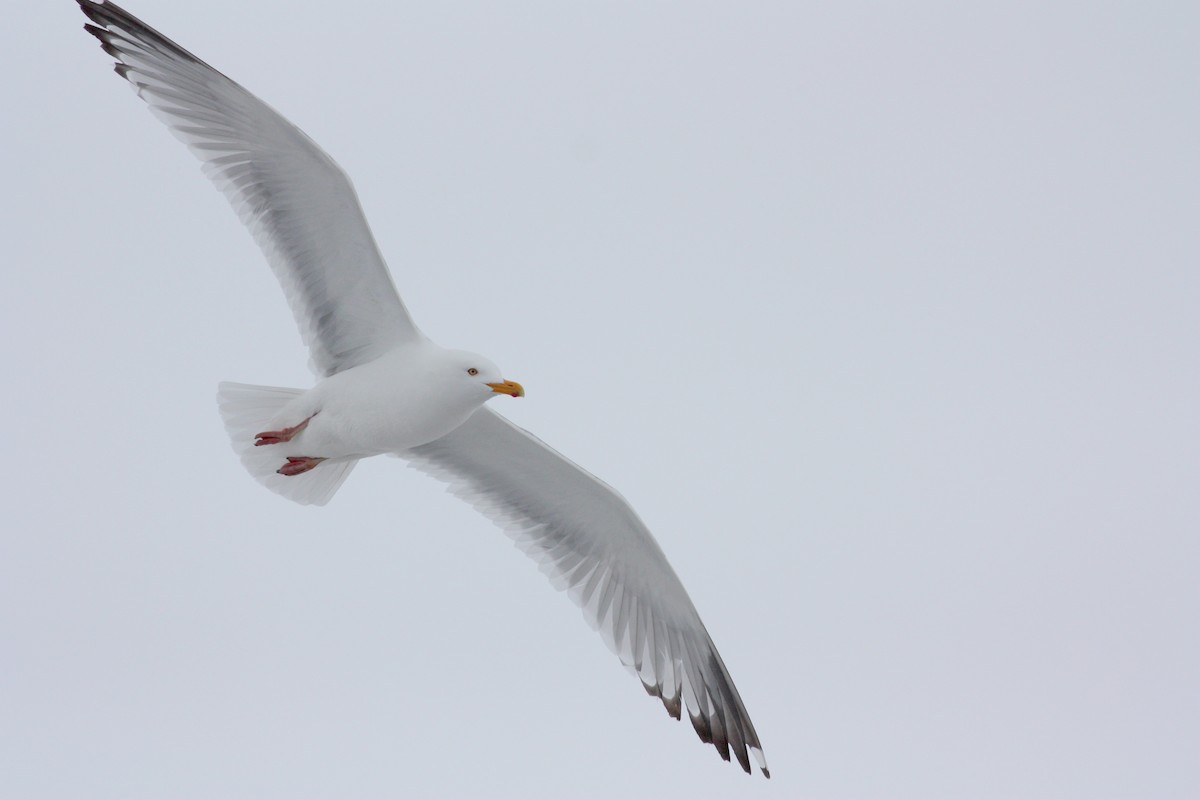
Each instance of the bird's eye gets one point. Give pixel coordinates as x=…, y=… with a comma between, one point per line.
x=472, y=371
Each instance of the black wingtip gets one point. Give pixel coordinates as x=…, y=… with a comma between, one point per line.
x=108, y=15
x=674, y=707
x=703, y=730
x=96, y=31
x=92, y=10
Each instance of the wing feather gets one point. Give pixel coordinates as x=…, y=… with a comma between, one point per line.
x=589, y=541
x=296, y=201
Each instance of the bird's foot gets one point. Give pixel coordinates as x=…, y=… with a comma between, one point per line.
x=280, y=436
x=298, y=465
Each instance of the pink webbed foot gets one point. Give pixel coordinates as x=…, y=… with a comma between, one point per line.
x=281, y=436
x=298, y=465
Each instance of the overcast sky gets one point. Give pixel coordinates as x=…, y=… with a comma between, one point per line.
x=883, y=316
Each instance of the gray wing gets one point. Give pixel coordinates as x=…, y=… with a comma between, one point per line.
x=296, y=201
x=589, y=541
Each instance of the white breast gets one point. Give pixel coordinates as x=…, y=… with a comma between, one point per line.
x=399, y=401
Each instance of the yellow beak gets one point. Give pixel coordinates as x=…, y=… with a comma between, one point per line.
x=508, y=387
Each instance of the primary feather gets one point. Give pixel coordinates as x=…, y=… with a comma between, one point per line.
x=294, y=198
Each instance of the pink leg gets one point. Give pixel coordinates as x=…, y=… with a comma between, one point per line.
x=281, y=436
x=298, y=465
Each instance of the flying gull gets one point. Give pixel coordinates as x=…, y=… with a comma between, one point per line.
x=383, y=387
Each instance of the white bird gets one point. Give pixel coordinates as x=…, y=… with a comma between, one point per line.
x=385, y=388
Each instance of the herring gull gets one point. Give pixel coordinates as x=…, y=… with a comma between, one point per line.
x=383, y=387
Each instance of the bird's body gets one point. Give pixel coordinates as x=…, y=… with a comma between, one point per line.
x=407, y=397
x=383, y=387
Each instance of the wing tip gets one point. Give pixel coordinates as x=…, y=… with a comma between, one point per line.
x=108, y=16
x=761, y=760
x=673, y=705
x=99, y=13
x=90, y=8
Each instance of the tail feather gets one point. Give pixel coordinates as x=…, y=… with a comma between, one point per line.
x=247, y=410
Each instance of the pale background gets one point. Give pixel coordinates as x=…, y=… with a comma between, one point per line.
x=883, y=316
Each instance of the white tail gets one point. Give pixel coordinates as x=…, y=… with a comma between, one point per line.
x=247, y=410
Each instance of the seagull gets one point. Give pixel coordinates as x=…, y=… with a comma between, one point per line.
x=385, y=388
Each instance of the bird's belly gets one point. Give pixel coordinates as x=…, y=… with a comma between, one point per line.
x=366, y=427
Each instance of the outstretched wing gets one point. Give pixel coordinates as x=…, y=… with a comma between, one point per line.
x=589, y=541
x=295, y=199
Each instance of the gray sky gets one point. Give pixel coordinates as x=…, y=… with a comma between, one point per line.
x=883, y=318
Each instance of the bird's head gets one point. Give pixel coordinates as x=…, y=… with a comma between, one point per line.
x=481, y=373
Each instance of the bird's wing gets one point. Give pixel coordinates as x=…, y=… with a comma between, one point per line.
x=589, y=541
x=295, y=199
